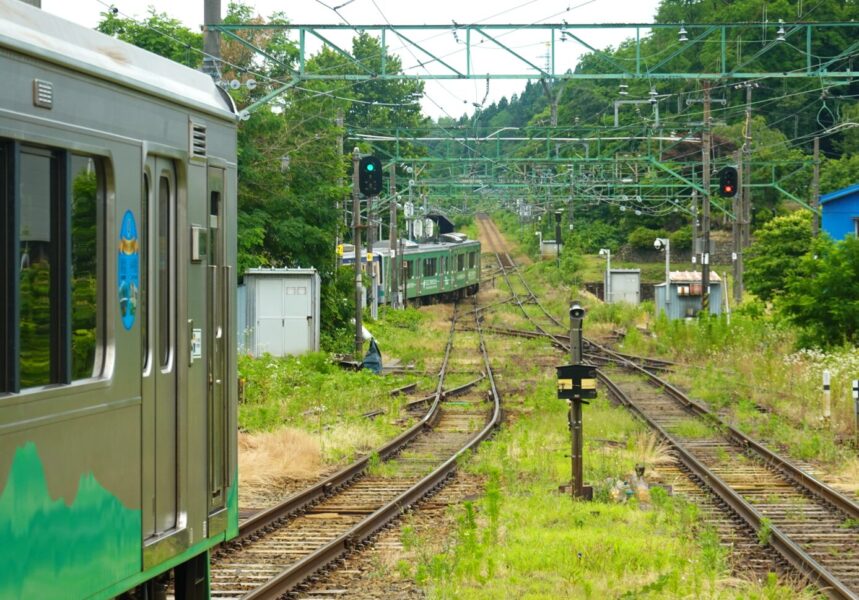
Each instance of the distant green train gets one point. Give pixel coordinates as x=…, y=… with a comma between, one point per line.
x=445, y=270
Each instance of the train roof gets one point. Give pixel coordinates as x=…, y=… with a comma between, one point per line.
x=383, y=248
x=34, y=32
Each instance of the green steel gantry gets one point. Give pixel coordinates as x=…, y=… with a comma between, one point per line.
x=798, y=46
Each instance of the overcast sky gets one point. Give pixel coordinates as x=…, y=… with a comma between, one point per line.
x=451, y=98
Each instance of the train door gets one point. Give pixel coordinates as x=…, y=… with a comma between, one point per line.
x=218, y=280
x=158, y=293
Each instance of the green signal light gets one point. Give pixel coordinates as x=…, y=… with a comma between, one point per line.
x=370, y=166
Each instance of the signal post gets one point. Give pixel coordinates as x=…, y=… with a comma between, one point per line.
x=366, y=180
x=576, y=384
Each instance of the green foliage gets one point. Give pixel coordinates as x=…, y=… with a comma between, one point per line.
x=773, y=259
x=822, y=296
x=338, y=309
x=839, y=173
x=590, y=236
x=158, y=33
x=642, y=238
x=681, y=239
x=765, y=532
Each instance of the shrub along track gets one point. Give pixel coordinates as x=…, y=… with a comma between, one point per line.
x=281, y=549
x=744, y=487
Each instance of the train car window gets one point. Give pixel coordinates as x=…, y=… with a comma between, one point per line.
x=164, y=269
x=36, y=267
x=87, y=191
x=409, y=268
x=460, y=262
x=430, y=267
x=472, y=260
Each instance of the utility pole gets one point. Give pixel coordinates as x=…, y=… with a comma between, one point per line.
x=705, y=213
x=339, y=149
x=746, y=178
x=394, y=292
x=371, y=265
x=356, y=240
x=737, y=233
x=696, y=227
x=815, y=190
x=212, y=39
x=571, y=212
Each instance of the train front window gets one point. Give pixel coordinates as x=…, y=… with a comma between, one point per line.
x=86, y=193
x=36, y=260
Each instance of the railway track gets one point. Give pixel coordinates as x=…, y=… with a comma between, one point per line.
x=284, y=547
x=810, y=525
x=755, y=496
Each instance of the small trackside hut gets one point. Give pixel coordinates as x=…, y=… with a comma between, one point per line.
x=117, y=328
x=685, y=295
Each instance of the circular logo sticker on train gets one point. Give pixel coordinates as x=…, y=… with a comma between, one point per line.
x=129, y=270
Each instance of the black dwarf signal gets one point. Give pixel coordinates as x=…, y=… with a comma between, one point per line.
x=728, y=182
x=370, y=176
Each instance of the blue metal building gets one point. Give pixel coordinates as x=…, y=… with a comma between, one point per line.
x=841, y=212
x=684, y=295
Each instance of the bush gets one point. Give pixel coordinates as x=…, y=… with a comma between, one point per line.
x=681, y=239
x=642, y=238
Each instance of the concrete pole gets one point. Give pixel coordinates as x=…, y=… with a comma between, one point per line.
x=696, y=227
x=339, y=150
x=356, y=240
x=371, y=265
x=705, y=213
x=212, y=39
x=667, y=271
x=815, y=189
x=393, y=273
x=608, y=298
x=737, y=233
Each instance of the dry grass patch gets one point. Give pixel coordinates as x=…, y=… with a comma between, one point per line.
x=271, y=459
x=488, y=295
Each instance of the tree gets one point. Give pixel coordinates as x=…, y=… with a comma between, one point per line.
x=838, y=174
x=823, y=296
x=772, y=261
x=158, y=33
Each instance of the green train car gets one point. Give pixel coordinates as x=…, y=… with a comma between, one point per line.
x=440, y=271
x=117, y=285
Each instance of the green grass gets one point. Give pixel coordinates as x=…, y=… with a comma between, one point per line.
x=692, y=428
x=523, y=539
